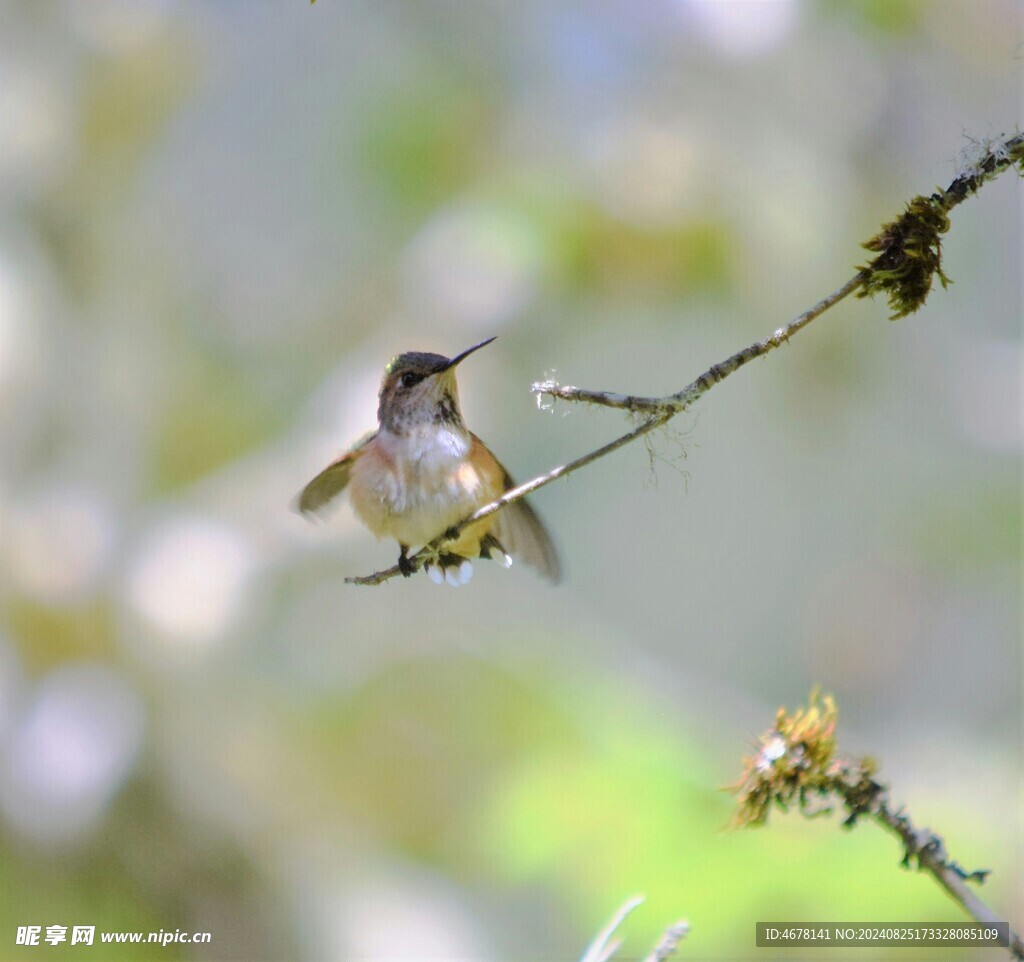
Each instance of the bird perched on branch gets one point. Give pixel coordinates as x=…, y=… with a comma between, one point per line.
x=422, y=471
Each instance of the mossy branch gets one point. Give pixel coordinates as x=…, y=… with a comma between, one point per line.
x=796, y=765
x=910, y=248
x=909, y=256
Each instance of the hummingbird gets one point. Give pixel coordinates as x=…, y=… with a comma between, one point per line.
x=422, y=471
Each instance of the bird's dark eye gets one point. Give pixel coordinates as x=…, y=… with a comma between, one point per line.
x=409, y=379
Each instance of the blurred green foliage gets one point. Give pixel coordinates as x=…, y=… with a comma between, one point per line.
x=898, y=18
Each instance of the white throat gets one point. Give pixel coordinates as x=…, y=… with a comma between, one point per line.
x=427, y=447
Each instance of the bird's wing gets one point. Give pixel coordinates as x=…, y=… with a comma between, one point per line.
x=330, y=482
x=523, y=535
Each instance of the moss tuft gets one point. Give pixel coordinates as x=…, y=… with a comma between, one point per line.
x=909, y=256
x=910, y=248
x=793, y=762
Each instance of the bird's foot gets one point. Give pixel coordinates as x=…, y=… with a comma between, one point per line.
x=404, y=564
x=452, y=568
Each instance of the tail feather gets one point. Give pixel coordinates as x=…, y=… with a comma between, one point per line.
x=524, y=536
x=522, y=533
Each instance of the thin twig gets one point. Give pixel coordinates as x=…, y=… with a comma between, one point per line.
x=673, y=404
x=909, y=256
x=604, y=946
x=666, y=948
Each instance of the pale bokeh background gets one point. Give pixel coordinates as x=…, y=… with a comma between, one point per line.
x=219, y=221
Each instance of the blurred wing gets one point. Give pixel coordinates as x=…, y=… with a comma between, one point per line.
x=330, y=482
x=523, y=535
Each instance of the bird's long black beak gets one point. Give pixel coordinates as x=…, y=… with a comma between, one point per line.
x=461, y=357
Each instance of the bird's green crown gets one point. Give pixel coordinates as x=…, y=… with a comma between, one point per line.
x=416, y=361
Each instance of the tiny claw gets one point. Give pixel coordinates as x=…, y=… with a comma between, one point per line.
x=405, y=566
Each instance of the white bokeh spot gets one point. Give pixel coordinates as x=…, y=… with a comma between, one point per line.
x=190, y=579
x=70, y=751
x=743, y=28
